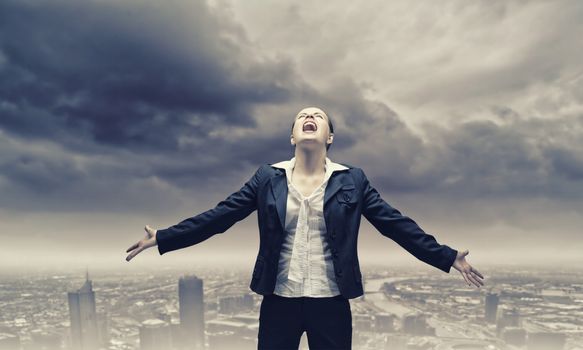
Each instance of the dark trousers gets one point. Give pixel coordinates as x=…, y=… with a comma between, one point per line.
x=326, y=320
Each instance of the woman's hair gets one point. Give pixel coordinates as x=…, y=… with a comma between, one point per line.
x=330, y=125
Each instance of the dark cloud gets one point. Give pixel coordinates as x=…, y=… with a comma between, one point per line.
x=143, y=84
x=518, y=157
x=130, y=91
x=566, y=163
x=134, y=74
x=143, y=99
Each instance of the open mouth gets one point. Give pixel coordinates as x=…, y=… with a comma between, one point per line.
x=310, y=126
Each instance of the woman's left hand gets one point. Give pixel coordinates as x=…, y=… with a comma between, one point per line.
x=469, y=273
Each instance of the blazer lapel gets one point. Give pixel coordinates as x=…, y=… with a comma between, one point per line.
x=278, y=186
x=279, y=190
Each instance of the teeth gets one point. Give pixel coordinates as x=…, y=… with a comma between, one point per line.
x=310, y=123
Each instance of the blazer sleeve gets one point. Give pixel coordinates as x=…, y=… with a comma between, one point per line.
x=225, y=214
x=403, y=230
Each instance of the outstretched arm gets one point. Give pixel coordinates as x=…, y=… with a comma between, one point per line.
x=198, y=228
x=403, y=230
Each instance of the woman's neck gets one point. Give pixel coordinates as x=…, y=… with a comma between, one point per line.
x=310, y=163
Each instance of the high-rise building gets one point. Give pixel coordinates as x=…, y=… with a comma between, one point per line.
x=384, y=322
x=233, y=304
x=191, y=308
x=83, y=317
x=514, y=336
x=510, y=317
x=491, y=307
x=416, y=323
x=362, y=322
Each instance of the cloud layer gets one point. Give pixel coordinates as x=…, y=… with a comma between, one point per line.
x=144, y=107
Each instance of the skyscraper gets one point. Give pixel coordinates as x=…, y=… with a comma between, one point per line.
x=491, y=307
x=83, y=317
x=190, y=296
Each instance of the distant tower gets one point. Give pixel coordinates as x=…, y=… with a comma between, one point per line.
x=507, y=318
x=190, y=295
x=384, y=322
x=83, y=317
x=491, y=308
x=416, y=323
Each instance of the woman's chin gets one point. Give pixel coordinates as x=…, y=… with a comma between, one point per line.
x=310, y=144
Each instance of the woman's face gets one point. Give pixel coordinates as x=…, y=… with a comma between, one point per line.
x=311, y=128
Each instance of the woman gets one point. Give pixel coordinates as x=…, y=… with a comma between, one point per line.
x=307, y=273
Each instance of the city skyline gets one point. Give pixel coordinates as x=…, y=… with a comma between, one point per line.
x=521, y=310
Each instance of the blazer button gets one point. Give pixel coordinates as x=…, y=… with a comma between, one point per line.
x=346, y=196
x=339, y=272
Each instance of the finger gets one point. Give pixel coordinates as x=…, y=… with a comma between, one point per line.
x=134, y=246
x=469, y=279
x=475, y=277
x=474, y=281
x=130, y=256
x=465, y=278
x=477, y=272
x=133, y=254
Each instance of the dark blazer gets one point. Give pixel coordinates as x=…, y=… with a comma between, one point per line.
x=347, y=196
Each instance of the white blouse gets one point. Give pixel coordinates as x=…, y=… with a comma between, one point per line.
x=305, y=265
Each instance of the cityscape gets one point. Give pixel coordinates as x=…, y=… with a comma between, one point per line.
x=403, y=308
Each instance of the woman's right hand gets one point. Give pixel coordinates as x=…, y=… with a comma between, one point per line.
x=143, y=244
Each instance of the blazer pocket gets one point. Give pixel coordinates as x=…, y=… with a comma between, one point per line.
x=347, y=195
x=258, y=268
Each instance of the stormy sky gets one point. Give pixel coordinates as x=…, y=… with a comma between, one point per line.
x=466, y=116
